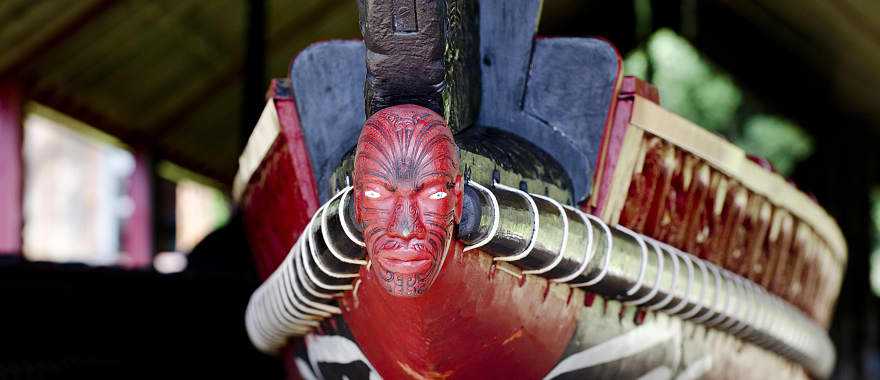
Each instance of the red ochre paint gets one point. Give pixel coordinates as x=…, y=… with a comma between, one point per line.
x=465, y=326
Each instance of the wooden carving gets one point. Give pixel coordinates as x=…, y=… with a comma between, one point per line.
x=503, y=259
x=408, y=190
x=422, y=52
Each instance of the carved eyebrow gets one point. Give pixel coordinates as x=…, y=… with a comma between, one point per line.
x=379, y=182
x=434, y=177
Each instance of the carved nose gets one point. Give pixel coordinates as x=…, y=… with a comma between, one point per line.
x=405, y=219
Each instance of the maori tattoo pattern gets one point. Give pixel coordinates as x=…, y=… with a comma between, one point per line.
x=408, y=190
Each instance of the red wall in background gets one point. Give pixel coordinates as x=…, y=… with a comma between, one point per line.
x=10, y=169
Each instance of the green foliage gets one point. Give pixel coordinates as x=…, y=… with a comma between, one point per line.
x=636, y=64
x=692, y=87
x=689, y=86
x=875, y=255
x=776, y=139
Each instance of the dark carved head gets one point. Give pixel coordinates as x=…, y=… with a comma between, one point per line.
x=408, y=190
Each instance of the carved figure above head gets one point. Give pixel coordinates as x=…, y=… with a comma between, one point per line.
x=408, y=191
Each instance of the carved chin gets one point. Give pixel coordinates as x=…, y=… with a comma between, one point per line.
x=405, y=280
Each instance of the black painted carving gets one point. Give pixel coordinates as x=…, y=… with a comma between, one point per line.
x=558, y=98
x=513, y=153
x=556, y=92
x=422, y=52
x=405, y=41
x=461, y=96
x=328, y=78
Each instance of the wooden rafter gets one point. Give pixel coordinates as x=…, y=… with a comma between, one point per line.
x=234, y=72
x=132, y=138
x=56, y=38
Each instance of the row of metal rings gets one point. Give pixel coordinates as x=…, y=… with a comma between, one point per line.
x=564, y=244
x=542, y=237
x=323, y=263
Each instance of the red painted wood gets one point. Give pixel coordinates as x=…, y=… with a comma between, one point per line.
x=282, y=194
x=612, y=138
x=138, y=233
x=11, y=170
x=677, y=198
x=475, y=322
x=471, y=321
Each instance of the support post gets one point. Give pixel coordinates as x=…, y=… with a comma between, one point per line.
x=11, y=169
x=165, y=217
x=138, y=234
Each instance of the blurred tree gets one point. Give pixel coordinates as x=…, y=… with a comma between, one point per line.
x=875, y=253
x=701, y=92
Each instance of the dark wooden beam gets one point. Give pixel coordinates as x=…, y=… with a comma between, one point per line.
x=235, y=71
x=59, y=36
x=164, y=204
x=135, y=139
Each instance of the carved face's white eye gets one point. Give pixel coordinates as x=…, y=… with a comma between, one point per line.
x=371, y=194
x=438, y=195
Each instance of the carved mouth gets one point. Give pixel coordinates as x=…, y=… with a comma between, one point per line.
x=404, y=261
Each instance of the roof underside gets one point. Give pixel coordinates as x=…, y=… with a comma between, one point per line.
x=167, y=75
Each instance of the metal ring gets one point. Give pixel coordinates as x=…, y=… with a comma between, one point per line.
x=268, y=318
x=773, y=316
x=344, y=221
x=564, y=237
x=276, y=299
x=734, y=303
x=536, y=224
x=588, y=254
x=644, y=263
x=279, y=284
x=705, y=268
x=684, y=299
x=313, y=248
x=765, y=316
x=325, y=232
x=300, y=271
x=279, y=294
x=709, y=319
x=254, y=333
x=655, y=287
x=271, y=337
x=292, y=283
x=743, y=319
x=698, y=302
x=304, y=257
x=665, y=301
x=302, y=304
x=609, y=247
x=496, y=218
x=755, y=315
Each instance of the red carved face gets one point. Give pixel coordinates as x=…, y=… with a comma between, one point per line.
x=408, y=190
